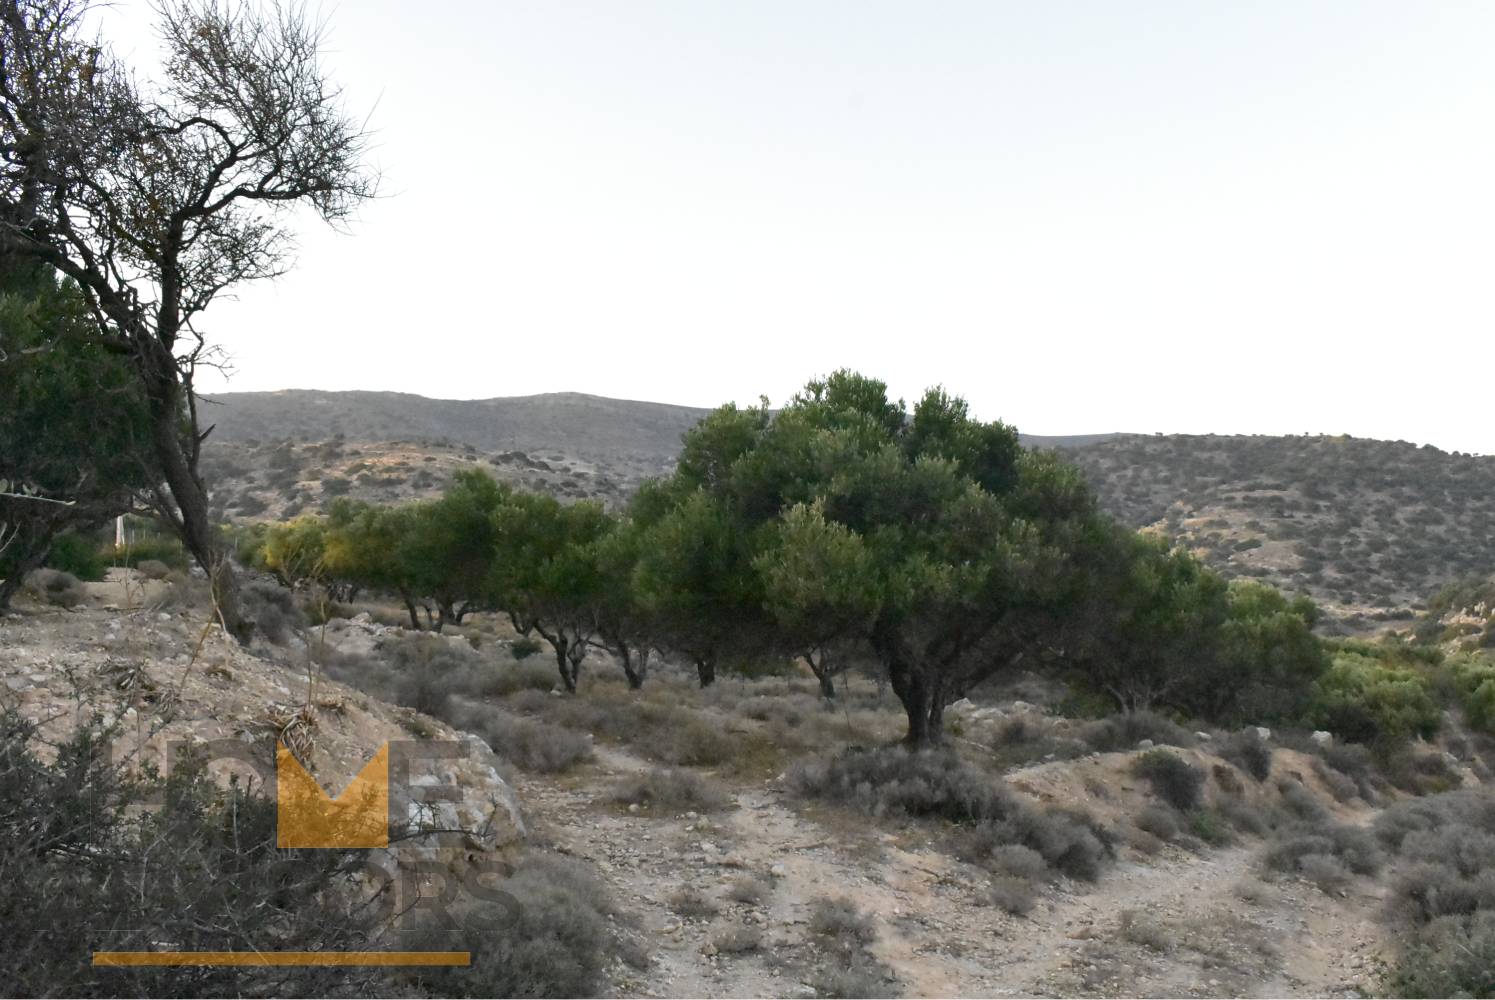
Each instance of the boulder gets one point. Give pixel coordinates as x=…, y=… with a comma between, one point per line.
x=1263, y=733
x=1322, y=738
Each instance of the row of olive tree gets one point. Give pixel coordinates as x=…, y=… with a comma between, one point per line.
x=841, y=529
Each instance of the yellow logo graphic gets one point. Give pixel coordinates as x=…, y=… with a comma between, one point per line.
x=307, y=817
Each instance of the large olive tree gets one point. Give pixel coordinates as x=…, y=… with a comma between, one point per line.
x=848, y=524
x=155, y=195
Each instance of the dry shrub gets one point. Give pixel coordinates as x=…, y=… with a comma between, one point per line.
x=1159, y=820
x=549, y=937
x=1301, y=804
x=1019, y=862
x=273, y=609
x=844, y=933
x=693, y=905
x=937, y=784
x=1244, y=816
x=56, y=587
x=1450, y=957
x=737, y=940
x=750, y=889
x=1324, y=871
x=1247, y=751
x=1124, y=732
x=841, y=919
x=1341, y=786
x=1017, y=896
x=1141, y=928
x=153, y=569
x=528, y=743
x=672, y=790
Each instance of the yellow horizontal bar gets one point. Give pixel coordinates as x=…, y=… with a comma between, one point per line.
x=197, y=958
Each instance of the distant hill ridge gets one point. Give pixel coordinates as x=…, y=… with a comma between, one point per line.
x=575, y=422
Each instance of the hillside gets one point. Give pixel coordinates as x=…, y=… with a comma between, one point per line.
x=586, y=426
x=1363, y=526
x=275, y=454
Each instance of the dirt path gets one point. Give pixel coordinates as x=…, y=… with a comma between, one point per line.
x=1191, y=934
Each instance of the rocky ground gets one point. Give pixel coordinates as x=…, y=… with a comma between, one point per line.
x=1213, y=928
x=723, y=902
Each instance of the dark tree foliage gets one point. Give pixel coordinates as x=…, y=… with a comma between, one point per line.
x=74, y=434
x=929, y=538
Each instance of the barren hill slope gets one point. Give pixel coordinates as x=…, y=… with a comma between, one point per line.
x=572, y=422
x=1363, y=526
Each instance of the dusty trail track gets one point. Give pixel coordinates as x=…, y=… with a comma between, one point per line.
x=934, y=931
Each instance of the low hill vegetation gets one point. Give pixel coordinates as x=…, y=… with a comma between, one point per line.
x=1367, y=528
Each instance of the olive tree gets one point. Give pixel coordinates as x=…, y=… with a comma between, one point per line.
x=928, y=536
x=156, y=195
x=546, y=576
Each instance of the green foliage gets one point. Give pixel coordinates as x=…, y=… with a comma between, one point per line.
x=1173, y=779
x=295, y=551
x=168, y=550
x=841, y=519
x=1365, y=699
x=545, y=572
x=74, y=431
x=77, y=553
x=1474, y=680
x=1152, y=626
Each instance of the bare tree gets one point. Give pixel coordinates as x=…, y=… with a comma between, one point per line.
x=157, y=196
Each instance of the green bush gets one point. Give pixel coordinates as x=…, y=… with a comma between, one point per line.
x=1474, y=682
x=524, y=647
x=74, y=552
x=1363, y=699
x=1173, y=779
x=161, y=549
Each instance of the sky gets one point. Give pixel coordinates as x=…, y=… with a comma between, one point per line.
x=1272, y=217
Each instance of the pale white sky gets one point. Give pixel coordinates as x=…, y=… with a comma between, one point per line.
x=1084, y=217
